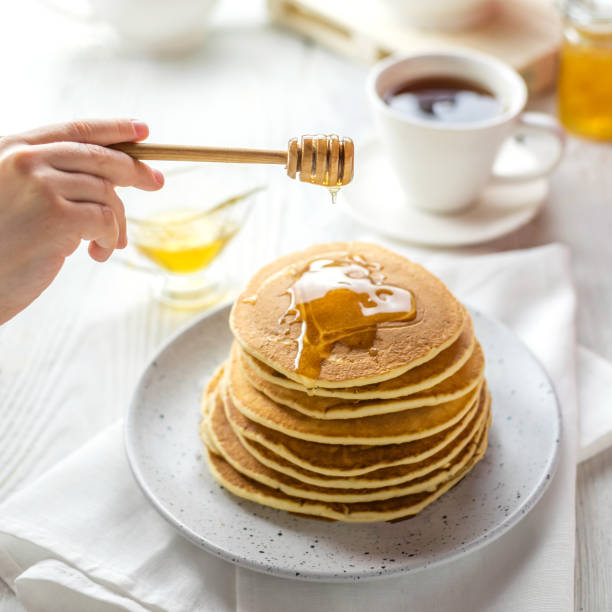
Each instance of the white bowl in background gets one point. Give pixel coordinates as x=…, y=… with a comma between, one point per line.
x=155, y=26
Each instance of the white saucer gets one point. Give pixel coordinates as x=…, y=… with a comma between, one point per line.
x=376, y=200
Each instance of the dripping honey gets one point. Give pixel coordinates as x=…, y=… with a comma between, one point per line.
x=333, y=189
x=342, y=300
x=183, y=241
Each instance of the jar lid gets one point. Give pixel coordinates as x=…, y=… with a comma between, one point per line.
x=587, y=12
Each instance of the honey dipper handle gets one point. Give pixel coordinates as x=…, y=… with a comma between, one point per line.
x=146, y=150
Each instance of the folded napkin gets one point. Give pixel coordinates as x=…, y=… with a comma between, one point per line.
x=595, y=402
x=83, y=537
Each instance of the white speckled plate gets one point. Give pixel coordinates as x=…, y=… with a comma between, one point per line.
x=167, y=458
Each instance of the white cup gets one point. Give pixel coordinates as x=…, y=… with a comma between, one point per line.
x=443, y=167
x=156, y=26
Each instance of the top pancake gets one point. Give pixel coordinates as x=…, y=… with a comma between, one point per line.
x=255, y=320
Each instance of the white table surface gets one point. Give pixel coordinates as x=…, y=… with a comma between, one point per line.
x=69, y=362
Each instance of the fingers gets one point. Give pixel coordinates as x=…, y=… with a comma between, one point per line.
x=114, y=166
x=69, y=167
x=94, y=131
x=113, y=201
x=78, y=187
x=97, y=223
x=98, y=253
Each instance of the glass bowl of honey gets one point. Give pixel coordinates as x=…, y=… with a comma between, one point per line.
x=177, y=234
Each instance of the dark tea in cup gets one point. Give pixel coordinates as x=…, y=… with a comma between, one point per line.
x=444, y=99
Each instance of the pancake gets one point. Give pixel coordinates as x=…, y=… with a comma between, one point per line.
x=456, y=386
x=207, y=400
x=211, y=386
x=376, y=478
x=360, y=512
x=233, y=451
x=417, y=379
x=338, y=459
x=206, y=436
x=256, y=316
x=393, y=428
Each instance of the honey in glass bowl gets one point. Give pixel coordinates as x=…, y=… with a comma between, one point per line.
x=177, y=233
x=585, y=73
x=182, y=241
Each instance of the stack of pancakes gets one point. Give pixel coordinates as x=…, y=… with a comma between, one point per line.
x=379, y=431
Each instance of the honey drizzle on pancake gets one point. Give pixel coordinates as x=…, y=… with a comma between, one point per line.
x=342, y=300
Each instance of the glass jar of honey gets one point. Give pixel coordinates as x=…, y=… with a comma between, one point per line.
x=585, y=76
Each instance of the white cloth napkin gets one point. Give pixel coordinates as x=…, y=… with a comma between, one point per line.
x=595, y=402
x=83, y=537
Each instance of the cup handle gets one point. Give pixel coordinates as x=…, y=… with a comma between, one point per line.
x=76, y=9
x=543, y=127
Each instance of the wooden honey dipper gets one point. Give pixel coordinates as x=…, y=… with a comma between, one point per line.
x=322, y=160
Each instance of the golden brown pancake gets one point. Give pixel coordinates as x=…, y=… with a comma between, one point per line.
x=209, y=389
x=462, y=382
x=207, y=400
x=233, y=451
x=376, y=478
x=393, y=428
x=382, y=510
x=339, y=459
x=354, y=390
x=256, y=318
x=417, y=379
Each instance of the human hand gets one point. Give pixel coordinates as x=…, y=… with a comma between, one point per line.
x=57, y=188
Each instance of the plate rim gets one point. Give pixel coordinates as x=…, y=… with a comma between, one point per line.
x=529, y=212
x=241, y=560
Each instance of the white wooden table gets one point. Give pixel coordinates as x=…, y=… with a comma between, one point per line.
x=69, y=362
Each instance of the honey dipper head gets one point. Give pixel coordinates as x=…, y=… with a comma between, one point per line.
x=322, y=160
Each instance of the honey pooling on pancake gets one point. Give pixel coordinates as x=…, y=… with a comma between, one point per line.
x=342, y=300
